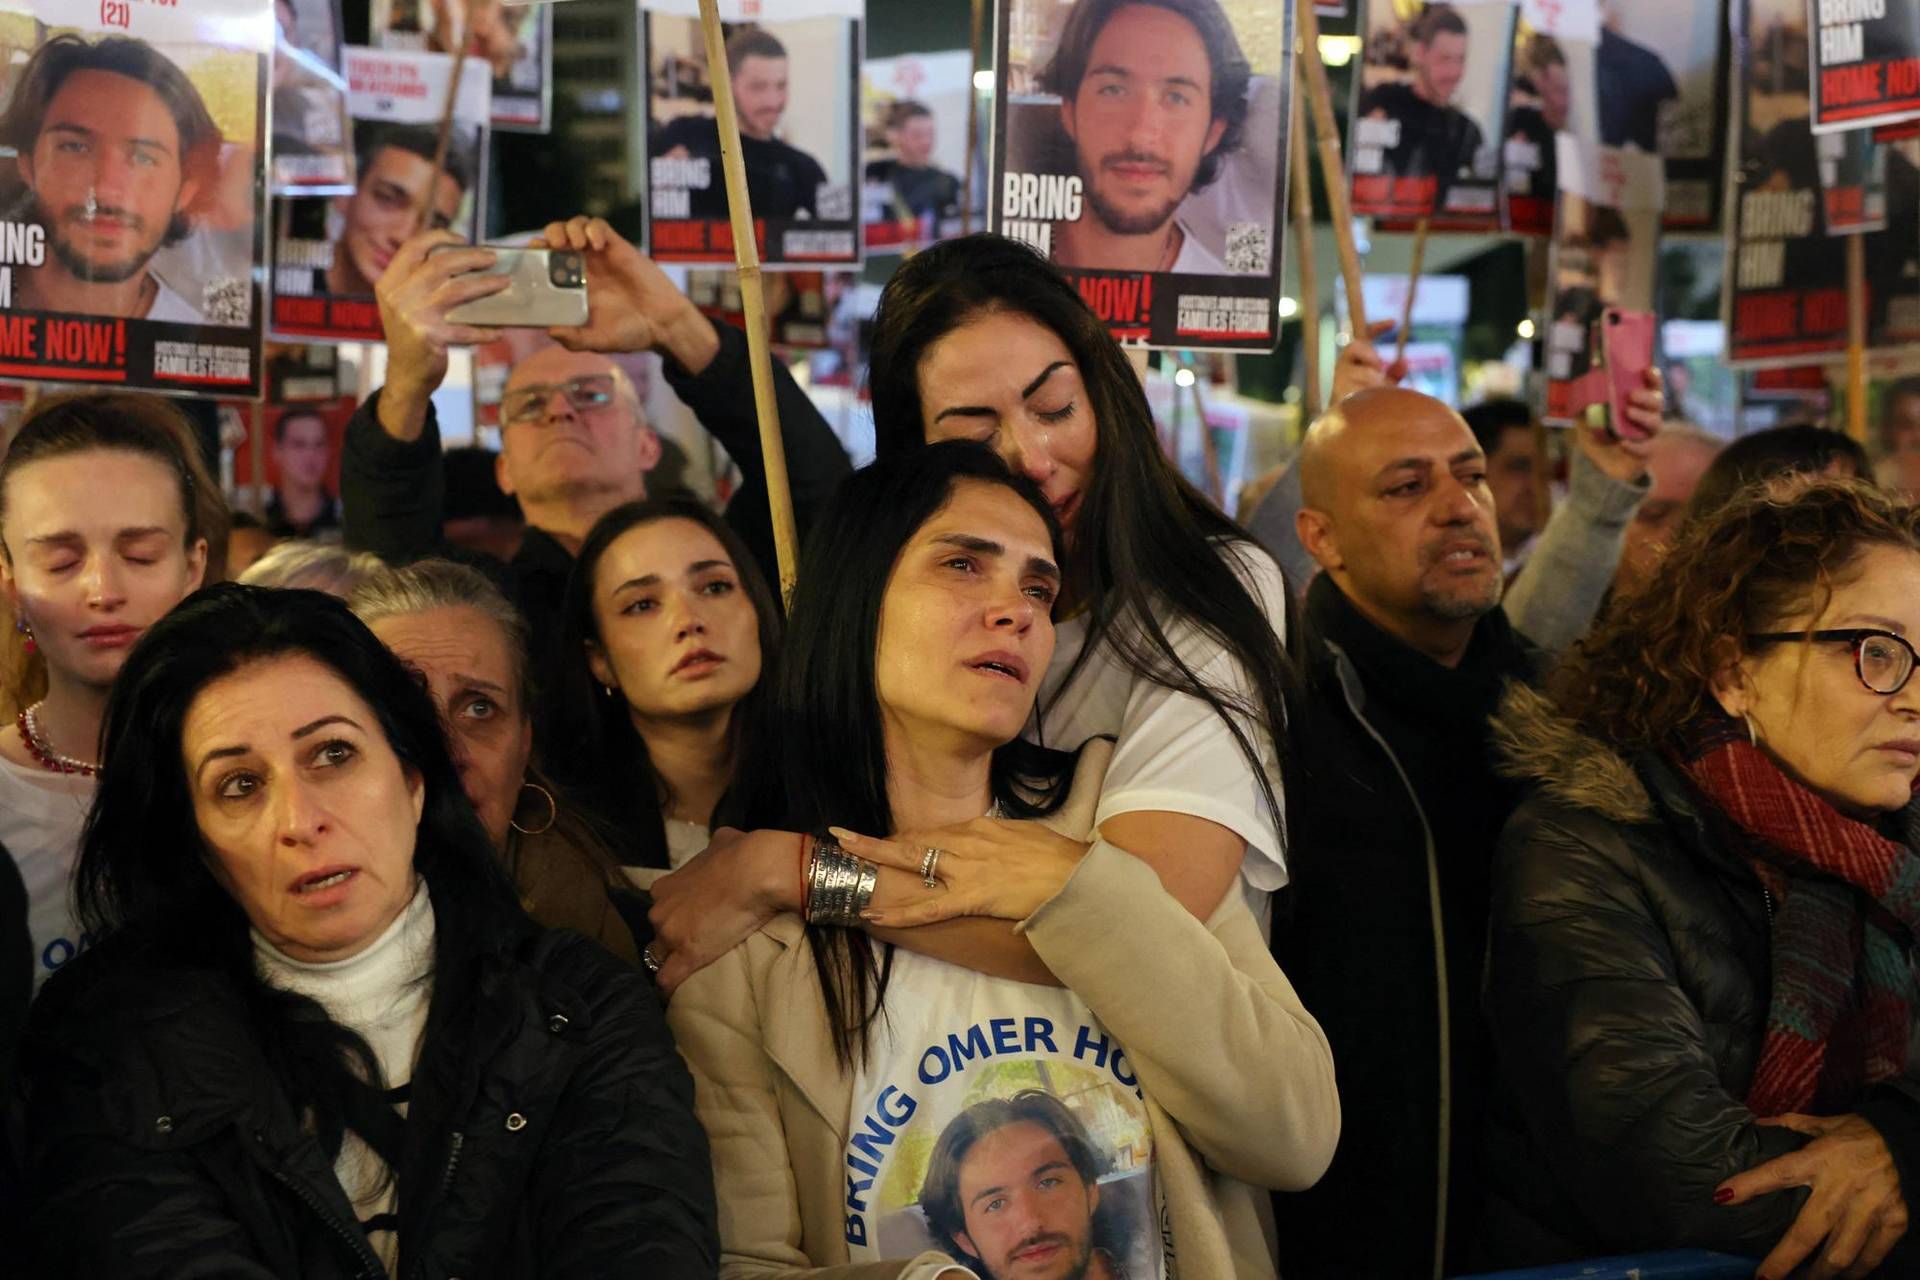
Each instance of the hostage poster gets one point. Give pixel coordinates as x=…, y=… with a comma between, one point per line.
x=1660, y=78
x=795, y=72
x=131, y=165
x=1429, y=111
x=312, y=142
x=1552, y=92
x=1784, y=296
x=1865, y=57
x=1144, y=152
x=914, y=184
x=1606, y=253
x=515, y=43
x=328, y=252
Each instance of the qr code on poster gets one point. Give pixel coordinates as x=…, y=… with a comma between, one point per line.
x=1247, y=250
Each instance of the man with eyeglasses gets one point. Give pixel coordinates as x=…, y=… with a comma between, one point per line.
x=574, y=438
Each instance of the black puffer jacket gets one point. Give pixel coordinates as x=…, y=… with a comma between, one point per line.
x=1628, y=986
x=550, y=1132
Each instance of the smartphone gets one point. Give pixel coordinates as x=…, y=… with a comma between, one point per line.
x=548, y=288
x=1626, y=341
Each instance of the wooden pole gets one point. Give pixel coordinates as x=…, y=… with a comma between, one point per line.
x=973, y=124
x=257, y=457
x=746, y=258
x=1303, y=252
x=1857, y=337
x=1209, y=452
x=1338, y=211
x=1413, y=286
x=424, y=218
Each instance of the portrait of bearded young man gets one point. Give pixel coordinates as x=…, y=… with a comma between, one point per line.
x=114, y=146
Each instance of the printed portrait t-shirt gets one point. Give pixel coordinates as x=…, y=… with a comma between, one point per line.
x=41, y=814
x=998, y=1122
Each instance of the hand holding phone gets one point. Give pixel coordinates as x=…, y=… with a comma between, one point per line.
x=547, y=288
x=1626, y=341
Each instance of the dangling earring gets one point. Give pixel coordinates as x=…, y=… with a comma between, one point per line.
x=1753, y=734
x=20, y=625
x=607, y=689
x=553, y=811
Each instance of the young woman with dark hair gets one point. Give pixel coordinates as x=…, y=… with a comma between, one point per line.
x=824, y=1058
x=316, y=1033
x=101, y=533
x=674, y=627
x=1173, y=621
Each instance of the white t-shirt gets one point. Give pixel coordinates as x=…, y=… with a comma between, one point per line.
x=684, y=840
x=380, y=994
x=1195, y=258
x=951, y=1040
x=41, y=813
x=1171, y=752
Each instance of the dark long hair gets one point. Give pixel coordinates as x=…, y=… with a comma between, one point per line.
x=143, y=876
x=818, y=756
x=1148, y=551
x=606, y=762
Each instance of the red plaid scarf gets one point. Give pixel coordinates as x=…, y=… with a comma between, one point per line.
x=1848, y=901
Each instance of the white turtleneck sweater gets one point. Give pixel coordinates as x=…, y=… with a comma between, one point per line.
x=378, y=993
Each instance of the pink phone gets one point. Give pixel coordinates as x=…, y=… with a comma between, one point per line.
x=1626, y=340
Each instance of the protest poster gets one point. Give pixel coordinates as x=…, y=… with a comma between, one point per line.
x=312, y=142
x=515, y=43
x=1429, y=111
x=1168, y=232
x=799, y=304
x=1660, y=73
x=302, y=372
x=133, y=257
x=299, y=467
x=1784, y=295
x=1865, y=62
x=328, y=252
x=1551, y=92
x=1605, y=253
x=800, y=164
x=915, y=142
x=1853, y=181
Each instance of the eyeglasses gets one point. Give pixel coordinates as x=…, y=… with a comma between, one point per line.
x=1883, y=661
x=529, y=404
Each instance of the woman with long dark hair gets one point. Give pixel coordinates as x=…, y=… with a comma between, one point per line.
x=104, y=526
x=669, y=627
x=1173, y=621
x=877, y=1105
x=316, y=1034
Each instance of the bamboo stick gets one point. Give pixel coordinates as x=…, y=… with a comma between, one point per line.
x=1320, y=99
x=1309, y=312
x=973, y=123
x=746, y=257
x=424, y=218
x=1413, y=286
x=1857, y=337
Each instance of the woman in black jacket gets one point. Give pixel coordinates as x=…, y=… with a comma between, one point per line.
x=316, y=1036
x=1700, y=975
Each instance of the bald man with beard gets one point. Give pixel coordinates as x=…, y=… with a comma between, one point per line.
x=1407, y=654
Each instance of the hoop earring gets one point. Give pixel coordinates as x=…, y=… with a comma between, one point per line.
x=553, y=811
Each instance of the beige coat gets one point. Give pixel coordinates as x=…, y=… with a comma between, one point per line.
x=1237, y=1076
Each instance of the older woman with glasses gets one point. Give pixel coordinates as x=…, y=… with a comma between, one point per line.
x=1703, y=918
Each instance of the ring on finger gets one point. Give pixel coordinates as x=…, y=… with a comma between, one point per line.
x=928, y=867
x=650, y=960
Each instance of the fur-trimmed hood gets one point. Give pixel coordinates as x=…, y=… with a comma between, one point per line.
x=1535, y=744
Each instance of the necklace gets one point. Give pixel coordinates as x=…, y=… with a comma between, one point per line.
x=44, y=754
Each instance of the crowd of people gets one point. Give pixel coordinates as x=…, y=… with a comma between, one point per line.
x=1066, y=882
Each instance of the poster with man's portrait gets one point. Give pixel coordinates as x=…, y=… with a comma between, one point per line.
x=515, y=42
x=312, y=127
x=1429, y=108
x=131, y=184
x=1606, y=253
x=1660, y=72
x=794, y=69
x=1142, y=147
x=914, y=143
x=329, y=252
x=1784, y=289
x=799, y=304
x=1016, y=1146
x=299, y=468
